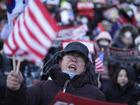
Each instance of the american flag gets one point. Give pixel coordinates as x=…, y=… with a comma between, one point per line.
x=99, y=66
x=33, y=32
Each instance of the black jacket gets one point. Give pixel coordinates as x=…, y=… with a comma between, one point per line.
x=4, y=67
x=126, y=94
x=45, y=91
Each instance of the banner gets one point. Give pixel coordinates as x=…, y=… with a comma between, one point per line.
x=72, y=33
x=124, y=56
x=68, y=99
x=85, y=8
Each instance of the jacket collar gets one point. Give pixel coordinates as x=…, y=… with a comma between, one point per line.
x=60, y=78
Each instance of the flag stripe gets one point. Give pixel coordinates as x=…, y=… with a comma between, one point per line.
x=38, y=31
x=11, y=46
x=40, y=25
x=46, y=25
x=11, y=42
x=28, y=25
x=28, y=38
x=99, y=66
x=18, y=38
x=8, y=48
x=98, y=62
x=27, y=43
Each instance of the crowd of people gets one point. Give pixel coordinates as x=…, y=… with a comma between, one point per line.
x=113, y=27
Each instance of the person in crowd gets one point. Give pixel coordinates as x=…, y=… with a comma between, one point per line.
x=123, y=88
x=125, y=37
x=103, y=42
x=137, y=42
x=72, y=73
x=126, y=14
x=4, y=68
x=137, y=65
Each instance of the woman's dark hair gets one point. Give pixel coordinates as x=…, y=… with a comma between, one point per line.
x=129, y=27
x=130, y=75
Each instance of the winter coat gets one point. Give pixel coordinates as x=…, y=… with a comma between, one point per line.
x=119, y=44
x=117, y=40
x=125, y=94
x=4, y=67
x=45, y=91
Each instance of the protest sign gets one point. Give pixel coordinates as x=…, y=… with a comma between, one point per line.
x=72, y=33
x=124, y=56
x=68, y=99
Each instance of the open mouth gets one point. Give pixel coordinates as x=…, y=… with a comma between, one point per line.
x=72, y=67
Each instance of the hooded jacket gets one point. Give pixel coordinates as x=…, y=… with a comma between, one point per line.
x=118, y=42
x=129, y=95
x=125, y=94
x=45, y=91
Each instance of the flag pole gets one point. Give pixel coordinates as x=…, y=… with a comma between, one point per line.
x=18, y=66
x=99, y=74
x=14, y=63
x=98, y=80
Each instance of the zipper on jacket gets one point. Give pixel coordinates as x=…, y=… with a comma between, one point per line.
x=65, y=86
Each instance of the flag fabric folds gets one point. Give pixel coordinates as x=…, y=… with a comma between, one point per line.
x=33, y=32
x=99, y=65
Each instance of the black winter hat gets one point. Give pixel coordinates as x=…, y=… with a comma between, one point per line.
x=77, y=47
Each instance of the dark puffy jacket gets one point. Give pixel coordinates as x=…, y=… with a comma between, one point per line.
x=4, y=67
x=126, y=94
x=45, y=91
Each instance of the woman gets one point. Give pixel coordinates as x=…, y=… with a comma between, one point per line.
x=123, y=88
x=124, y=38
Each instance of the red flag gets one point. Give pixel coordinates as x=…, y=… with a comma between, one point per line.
x=99, y=66
x=33, y=32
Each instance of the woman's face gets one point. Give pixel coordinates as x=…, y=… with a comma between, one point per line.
x=122, y=78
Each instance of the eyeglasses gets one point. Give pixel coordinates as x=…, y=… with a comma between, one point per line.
x=75, y=57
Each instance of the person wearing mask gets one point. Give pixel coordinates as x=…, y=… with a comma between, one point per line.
x=103, y=41
x=72, y=73
x=137, y=65
x=124, y=38
x=137, y=43
x=123, y=88
x=102, y=45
